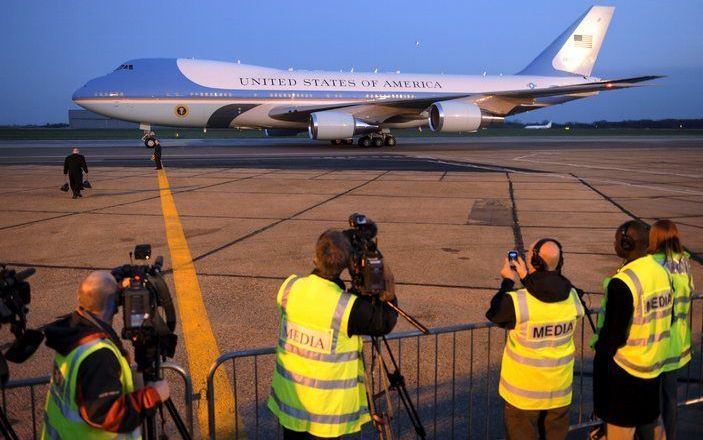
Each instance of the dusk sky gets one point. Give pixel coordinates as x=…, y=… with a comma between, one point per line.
x=49, y=49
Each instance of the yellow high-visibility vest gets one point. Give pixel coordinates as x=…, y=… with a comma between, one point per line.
x=538, y=360
x=318, y=381
x=62, y=419
x=679, y=268
x=647, y=348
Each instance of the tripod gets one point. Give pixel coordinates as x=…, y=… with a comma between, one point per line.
x=6, y=428
x=150, y=355
x=150, y=421
x=389, y=378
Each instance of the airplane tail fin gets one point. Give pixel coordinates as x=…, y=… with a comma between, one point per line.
x=574, y=51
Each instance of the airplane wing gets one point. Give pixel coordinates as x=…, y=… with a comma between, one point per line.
x=499, y=103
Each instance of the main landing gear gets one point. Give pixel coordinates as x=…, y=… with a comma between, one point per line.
x=377, y=140
x=349, y=141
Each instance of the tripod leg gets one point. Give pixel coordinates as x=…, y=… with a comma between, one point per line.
x=381, y=421
x=177, y=420
x=6, y=428
x=397, y=382
x=371, y=401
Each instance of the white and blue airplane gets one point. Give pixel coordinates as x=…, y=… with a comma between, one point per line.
x=337, y=106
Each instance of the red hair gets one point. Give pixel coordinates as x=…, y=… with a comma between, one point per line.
x=664, y=238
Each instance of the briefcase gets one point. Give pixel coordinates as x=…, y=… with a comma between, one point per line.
x=87, y=184
x=64, y=187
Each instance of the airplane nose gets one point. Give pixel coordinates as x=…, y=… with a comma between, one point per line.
x=83, y=92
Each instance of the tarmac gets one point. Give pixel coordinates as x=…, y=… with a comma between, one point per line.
x=448, y=210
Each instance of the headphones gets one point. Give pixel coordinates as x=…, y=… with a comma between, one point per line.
x=627, y=243
x=538, y=262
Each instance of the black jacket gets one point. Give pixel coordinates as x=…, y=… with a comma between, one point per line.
x=98, y=388
x=74, y=163
x=547, y=287
x=618, y=397
x=368, y=315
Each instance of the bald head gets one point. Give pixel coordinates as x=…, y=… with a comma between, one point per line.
x=549, y=252
x=97, y=293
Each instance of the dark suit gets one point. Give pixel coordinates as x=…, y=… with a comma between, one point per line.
x=75, y=166
x=157, y=156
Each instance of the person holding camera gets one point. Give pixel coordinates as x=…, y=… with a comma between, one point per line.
x=318, y=390
x=92, y=392
x=538, y=360
x=632, y=343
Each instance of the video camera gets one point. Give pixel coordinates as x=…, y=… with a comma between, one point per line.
x=153, y=337
x=366, y=261
x=15, y=296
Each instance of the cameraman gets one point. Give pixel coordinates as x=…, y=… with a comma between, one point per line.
x=92, y=392
x=318, y=388
x=538, y=360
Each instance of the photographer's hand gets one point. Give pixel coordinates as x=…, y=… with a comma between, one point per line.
x=520, y=268
x=161, y=387
x=389, y=280
x=507, y=271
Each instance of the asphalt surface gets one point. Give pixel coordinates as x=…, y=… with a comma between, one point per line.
x=448, y=210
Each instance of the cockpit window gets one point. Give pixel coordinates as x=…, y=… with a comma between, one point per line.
x=125, y=67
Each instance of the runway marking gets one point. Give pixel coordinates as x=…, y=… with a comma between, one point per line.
x=529, y=158
x=201, y=346
x=561, y=176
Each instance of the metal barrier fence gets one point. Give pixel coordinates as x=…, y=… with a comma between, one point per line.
x=452, y=375
x=28, y=425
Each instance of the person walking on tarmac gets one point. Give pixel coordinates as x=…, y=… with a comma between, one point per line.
x=538, y=360
x=318, y=390
x=157, y=154
x=632, y=341
x=92, y=393
x=74, y=165
x=666, y=248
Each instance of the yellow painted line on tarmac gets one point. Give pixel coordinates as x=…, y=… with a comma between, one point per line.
x=201, y=346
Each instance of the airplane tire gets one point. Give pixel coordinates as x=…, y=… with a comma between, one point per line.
x=377, y=142
x=150, y=142
x=365, y=141
x=390, y=141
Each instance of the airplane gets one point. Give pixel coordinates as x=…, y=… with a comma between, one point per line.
x=338, y=106
x=539, y=127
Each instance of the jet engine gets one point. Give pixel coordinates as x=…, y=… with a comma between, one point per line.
x=332, y=125
x=455, y=116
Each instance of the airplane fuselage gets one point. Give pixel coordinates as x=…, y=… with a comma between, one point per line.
x=215, y=94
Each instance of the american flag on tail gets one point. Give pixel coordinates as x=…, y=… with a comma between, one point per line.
x=585, y=41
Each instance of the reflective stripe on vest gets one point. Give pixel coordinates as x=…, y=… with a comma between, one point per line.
x=537, y=366
x=318, y=383
x=646, y=350
x=679, y=268
x=62, y=417
x=318, y=418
